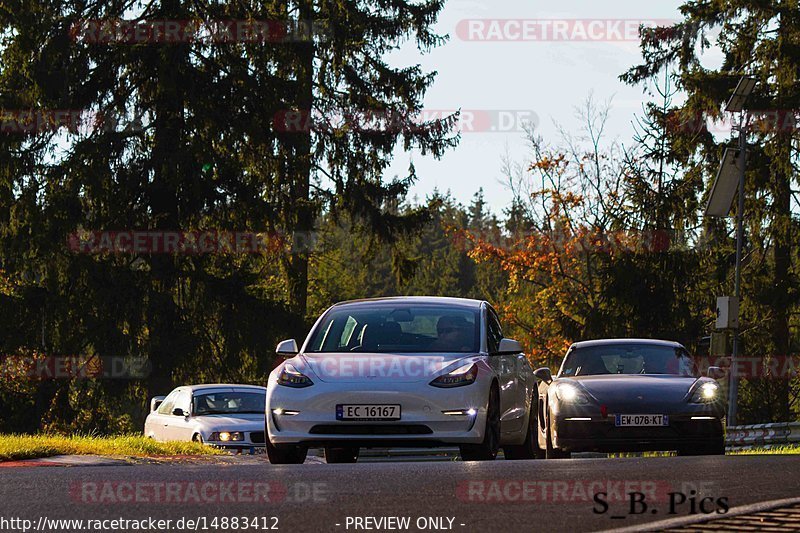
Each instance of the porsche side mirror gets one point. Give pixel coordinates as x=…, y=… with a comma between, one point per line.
x=544, y=374
x=715, y=372
x=287, y=348
x=155, y=402
x=508, y=347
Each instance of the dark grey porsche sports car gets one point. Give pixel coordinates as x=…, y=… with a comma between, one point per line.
x=621, y=395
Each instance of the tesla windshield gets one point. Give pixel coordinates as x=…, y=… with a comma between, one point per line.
x=628, y=359
x=398, y=329
x=229, y=402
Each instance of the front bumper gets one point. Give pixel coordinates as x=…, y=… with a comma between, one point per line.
x=253, y=440
x=422, y=419
x=600, y=434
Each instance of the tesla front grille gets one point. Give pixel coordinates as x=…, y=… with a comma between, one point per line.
x=367, y=429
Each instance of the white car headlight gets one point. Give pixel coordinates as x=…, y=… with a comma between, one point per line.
x=291, y=377
x=706, y=393
x=569, y=393
x=226, y=436
x=463, y=375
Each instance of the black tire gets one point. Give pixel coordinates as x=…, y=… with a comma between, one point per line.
x=716, y=447
x=341, y=455
x=198, y=438
x=530, y=448
x=552, y=452
x=486, y=450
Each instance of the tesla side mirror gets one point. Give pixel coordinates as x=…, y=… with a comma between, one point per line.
x=179, y=412
x=715, y=372
x=155, y=402
x=544, y=374
x=508, y=347
x=287, y=348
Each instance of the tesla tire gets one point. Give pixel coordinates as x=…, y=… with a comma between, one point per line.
x=486, y=450
x=285, y=455
x=530, y=448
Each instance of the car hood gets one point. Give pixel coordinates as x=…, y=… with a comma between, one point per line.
x=379, y=367
x=615, y=388
x=237, y=422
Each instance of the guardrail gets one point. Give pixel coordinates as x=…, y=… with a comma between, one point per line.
x=763, y=435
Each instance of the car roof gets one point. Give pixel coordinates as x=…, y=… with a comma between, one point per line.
x=601, y=342
x=218, y=386
x=417, y=300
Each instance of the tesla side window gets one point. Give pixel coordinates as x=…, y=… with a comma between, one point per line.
x=494, y=331
x=398, y=328
x=628, y=359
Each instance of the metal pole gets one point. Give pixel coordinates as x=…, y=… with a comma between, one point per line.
x=733, y=395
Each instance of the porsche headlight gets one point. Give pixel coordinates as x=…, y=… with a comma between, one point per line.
x=569, y=393
x=706, y=393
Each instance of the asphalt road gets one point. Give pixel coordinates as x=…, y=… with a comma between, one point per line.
x=500, y=496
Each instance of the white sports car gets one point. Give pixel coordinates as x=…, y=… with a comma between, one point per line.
x=227, y=416
x=408, y=371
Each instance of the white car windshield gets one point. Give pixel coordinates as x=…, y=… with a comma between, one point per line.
x=223, y=403
x=398, y=328
x=628, y=359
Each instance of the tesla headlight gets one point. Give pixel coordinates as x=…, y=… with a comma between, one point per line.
x=569, y=393
x=291, y=377
x=226, y=436
x=705, y=393
x=463, y=375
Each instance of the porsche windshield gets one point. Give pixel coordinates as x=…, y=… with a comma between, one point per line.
x=398, y=328
x=628, y=359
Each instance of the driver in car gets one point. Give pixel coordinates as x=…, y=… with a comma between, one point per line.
x=454, y=333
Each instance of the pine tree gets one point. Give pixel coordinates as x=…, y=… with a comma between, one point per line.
x=760, y=39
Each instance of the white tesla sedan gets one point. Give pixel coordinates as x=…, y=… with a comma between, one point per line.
x=407, y=371
x=227, y=416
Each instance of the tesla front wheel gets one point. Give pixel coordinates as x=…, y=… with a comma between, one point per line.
x=285, y=455
x=347, y=454
x=486, y=450
x=530, y=448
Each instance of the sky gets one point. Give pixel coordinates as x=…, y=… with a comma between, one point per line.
x=542, y=72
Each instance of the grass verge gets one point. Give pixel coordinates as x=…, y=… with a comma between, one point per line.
x=776, y=450
x=16, y=447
